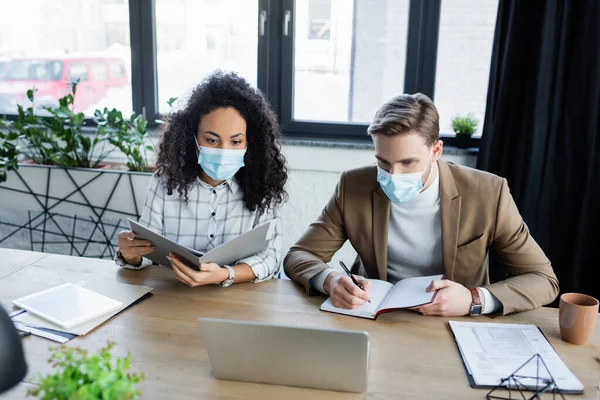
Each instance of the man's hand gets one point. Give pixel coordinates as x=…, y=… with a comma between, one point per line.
x=133, y=249
x=451, y=300
x=209, y=274
x=344, y=293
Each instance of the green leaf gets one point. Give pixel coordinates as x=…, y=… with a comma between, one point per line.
x=82, y=376
x=74, y=87
x=12, y=136
x=171, y=101
x=30, y=94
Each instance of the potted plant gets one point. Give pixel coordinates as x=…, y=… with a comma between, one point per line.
x=129, y=136
x=8, y=159
x=464, y=127
x=84, y=376
x=55, y=139
x=63, y=170
x=58, y=138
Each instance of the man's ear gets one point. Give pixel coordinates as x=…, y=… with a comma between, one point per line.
x=438, y=148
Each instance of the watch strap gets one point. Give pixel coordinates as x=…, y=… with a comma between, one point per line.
x=229, y=281
x=476, y=304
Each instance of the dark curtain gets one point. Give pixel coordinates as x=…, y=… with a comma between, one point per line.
x=542, y=128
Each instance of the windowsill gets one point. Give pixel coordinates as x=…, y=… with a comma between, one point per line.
x=324, y=143
x=336, y=144
x=364, y=145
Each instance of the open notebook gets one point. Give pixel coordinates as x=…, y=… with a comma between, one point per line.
x=245, y=245
x=385, y=297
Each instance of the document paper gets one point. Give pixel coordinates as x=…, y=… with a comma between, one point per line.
x=492, y=352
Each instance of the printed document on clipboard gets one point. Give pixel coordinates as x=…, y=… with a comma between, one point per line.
x=493, y=351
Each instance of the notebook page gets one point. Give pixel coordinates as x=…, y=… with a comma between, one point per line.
x=410, y=292
x=194, y=252
x=379, y=290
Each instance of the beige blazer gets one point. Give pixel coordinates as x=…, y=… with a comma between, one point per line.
x=478, y=217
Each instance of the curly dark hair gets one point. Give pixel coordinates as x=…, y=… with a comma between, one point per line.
x=263, y=178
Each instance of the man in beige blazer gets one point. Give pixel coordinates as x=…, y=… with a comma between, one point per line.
x=416, y=215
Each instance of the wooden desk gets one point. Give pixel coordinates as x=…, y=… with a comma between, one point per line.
x=412, y=356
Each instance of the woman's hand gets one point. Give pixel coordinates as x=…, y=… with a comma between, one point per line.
x=133, y=249
x=209, y=274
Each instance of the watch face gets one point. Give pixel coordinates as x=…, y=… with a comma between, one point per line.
x=476, y=309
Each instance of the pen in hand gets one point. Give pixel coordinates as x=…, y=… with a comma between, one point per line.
x=352, y=277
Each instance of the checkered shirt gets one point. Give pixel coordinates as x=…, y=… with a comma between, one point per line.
x=213, y=216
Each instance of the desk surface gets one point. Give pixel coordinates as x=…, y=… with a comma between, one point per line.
x=412, y=356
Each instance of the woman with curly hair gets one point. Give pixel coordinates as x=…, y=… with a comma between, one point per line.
x=220, y=173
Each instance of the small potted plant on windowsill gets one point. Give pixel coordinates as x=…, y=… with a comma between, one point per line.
x=464, y=127
x=84, y=376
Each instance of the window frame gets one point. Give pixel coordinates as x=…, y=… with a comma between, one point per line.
x=144, y=84
x=420, y=69
x=275, y=66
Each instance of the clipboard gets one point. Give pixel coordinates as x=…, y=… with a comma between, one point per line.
x=475, y=385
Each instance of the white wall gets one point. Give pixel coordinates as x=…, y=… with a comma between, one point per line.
x=314, y=172
x=313, y=175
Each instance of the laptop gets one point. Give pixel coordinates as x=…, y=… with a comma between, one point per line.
x=284, y=355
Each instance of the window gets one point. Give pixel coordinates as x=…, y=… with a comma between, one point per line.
x=464, y=56
x=194, y=38
x=361, y=64
x=325, y=66
x=78, y=72
x=211, y=41
x=319, y=19
x=32, y=70
x=50, y=42
x=117, y=32
x=3, y=65
x=99, y=71
x=117, y=70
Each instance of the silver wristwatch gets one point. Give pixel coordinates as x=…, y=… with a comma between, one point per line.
x=229, y=281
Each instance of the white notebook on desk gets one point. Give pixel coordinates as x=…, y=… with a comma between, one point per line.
x=122, y=292
x=385, y=297
x=67, y=305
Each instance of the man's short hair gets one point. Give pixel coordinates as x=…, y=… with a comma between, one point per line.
x=405, y=114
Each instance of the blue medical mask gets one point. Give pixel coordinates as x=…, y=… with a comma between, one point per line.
x=220, y=164
x=401, y=188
